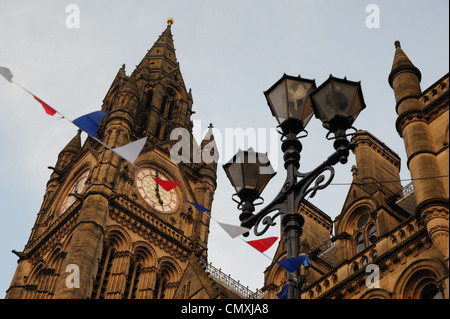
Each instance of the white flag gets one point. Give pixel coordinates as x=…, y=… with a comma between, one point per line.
x=6, y=73
x=132, y=150
x=234, y=231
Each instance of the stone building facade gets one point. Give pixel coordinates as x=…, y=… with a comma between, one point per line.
x=126, y=245
x=389, y=241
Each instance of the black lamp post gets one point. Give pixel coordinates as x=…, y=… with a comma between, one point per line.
x=293, y=101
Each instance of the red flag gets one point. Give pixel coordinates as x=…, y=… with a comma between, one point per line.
x=48, y=109
x=167, y=185
x=262, y=244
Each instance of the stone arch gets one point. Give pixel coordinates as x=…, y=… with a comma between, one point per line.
x=118, y=238
x=355, y=211
x=144, y=254
x=350, y=224
x=376, y=293
x=32, y=280
x=172, y=268
x=168, y=278
x=417, y=276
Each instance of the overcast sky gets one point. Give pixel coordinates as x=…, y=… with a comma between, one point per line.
x=229, y=53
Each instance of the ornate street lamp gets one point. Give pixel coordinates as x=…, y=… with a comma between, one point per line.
x=289, y=102
x=292, y=101
x=249, y=172
x=337, y=103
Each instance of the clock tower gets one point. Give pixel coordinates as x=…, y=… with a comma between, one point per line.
x=106, y=228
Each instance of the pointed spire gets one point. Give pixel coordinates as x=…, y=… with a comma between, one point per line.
x=402, y=63
x=69, y=152
x=160, y=59
x=74, y=146
x=120, y=75
x=209, y=149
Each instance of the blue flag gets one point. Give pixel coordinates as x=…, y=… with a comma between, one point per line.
x=89, y=122
x=199, y=207
x=292, y=264
x=282, y=294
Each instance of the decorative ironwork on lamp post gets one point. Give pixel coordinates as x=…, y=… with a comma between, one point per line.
x=293, y=101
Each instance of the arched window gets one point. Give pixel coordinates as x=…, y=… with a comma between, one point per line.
x=366, y=233
x=160, y=286
x=362, y=221
x=359, y=242
x=171, y=107
x=372, y=233
x=431, y=291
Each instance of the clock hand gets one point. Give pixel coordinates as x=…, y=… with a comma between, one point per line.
x=157, y=192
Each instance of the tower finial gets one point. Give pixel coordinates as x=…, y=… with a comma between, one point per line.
x=397, y=44
x=170, y=21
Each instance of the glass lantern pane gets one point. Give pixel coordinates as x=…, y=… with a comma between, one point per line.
x=343, y=97
x=235, y=175
x=324, y=103
x=297, y=98
x=251, y=173
x=278, y=100
x=266, y=173
x=356, y=107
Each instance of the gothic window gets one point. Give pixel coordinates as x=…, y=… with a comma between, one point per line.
x=158, y=130
x=148, y=103
x=362, y=220
x=366, y=233
x=103, y=272
x=160, y=287
x=371, y=233
x=162, y=110
x=171, y=107
x=359, y=242
x=131, y=285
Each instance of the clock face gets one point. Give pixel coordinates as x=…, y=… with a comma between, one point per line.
x=153, y=194
x=77, y=187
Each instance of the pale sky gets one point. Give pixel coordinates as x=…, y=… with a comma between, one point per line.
x=229, y=53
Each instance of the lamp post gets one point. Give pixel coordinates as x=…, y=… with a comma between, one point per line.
x=293, y=101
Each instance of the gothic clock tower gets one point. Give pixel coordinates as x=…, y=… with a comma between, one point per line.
x=106, y=220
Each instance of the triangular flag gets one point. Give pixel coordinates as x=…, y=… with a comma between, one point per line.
x=167, y=185
x=199, y=207
x=292, y=264
x=262, y=244
x=132, y=150
x=48, y=109
x=282, y=294
x=234, y=231
x=89, y=122
x=6, y=73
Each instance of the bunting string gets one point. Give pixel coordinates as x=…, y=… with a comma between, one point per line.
x=89, y=123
